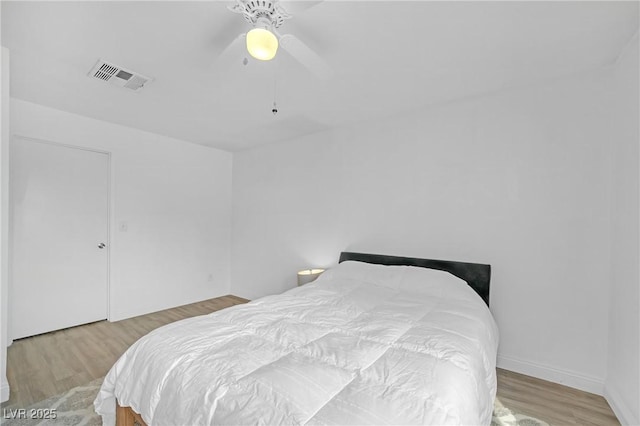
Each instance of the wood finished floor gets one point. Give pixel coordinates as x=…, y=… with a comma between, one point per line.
x=42, y=366
x=48, y=364
x=556, y=404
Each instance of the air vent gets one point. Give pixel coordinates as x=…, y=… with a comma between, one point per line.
x=118, y=76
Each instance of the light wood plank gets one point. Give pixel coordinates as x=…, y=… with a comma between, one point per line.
x=42, y=366
x=556, y=404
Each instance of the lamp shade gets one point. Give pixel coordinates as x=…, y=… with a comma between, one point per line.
x=307, y=275
x=262, y=44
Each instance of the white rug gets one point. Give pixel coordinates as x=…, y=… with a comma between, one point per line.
x=75, y=407
x=502, y=416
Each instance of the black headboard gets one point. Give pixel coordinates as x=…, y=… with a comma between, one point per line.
x=476, y=275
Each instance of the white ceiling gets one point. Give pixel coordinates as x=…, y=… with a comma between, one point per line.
x=388, y=57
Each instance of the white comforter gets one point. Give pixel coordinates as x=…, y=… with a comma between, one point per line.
x=363, y=344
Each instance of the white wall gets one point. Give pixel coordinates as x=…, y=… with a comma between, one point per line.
x=175, y=198
x=519, y=179
x=623, y=372
x=4, y=221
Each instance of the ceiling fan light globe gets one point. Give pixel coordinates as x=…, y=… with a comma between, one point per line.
x=262, y=44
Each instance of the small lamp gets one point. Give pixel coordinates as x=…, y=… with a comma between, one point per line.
x=262, y=44
x=307, y=275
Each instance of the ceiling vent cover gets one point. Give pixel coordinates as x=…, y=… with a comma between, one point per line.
x=118, y=76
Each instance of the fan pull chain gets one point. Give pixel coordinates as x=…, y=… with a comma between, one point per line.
x=274, y=110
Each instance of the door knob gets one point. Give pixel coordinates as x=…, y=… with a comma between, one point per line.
x=101, y=246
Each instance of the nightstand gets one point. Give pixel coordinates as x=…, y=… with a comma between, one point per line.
x=307, y=275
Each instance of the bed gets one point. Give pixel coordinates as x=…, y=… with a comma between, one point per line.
x=375, y=340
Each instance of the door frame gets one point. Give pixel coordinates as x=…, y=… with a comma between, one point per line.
x=110, y=227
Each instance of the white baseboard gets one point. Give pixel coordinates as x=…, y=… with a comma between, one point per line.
x=622, y=411
x=569, y=378
x=4, y=389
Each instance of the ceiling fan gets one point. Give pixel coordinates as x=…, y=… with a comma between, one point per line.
x=263, y=40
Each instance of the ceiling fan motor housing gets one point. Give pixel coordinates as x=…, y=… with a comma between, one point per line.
x=269, y=15
x=258, y=11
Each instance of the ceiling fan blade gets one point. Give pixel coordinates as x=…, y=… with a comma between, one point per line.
x=307, y=57
x=295, y=7
x=235, y=51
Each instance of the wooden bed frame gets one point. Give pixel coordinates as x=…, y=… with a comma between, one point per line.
x=125, y=416
x=478, y=276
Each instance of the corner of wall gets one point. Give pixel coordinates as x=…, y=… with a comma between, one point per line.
x=621, y=388
x=623, y=412
x=4, y=222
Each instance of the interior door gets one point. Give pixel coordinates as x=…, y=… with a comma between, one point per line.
x=59, y=206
